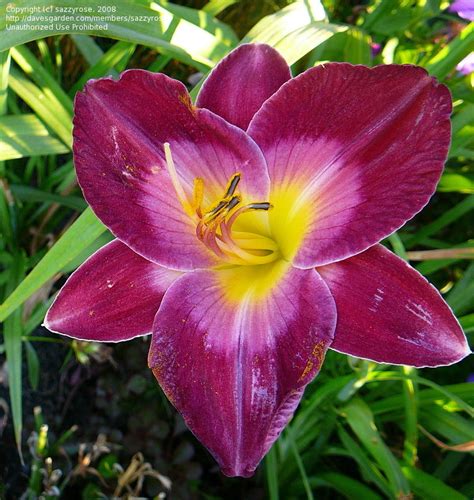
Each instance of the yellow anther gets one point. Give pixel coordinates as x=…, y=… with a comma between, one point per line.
x=232, y=185
x=198, y=193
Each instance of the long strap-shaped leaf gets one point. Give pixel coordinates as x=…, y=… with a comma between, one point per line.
x=295, y=30
x=159, y=28
x=25, y=135
x=85, y=230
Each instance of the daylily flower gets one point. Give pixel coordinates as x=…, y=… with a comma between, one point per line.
x=466, y=66
x=247, y=233
x=463, y=8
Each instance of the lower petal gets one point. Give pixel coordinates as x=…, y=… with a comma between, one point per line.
x=389, y=313
x=235, y=364
x=112, y=297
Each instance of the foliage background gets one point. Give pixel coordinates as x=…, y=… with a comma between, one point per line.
x=88, y=420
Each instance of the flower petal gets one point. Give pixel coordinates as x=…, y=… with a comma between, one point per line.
x=119, y=131
x=389, y=313
x=238, y=86
x=112, y=297
x=363, y=148
x=235, y=365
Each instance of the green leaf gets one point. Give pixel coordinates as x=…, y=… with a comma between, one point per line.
x=444, y=220
x=369, y=470
x=456, y=182
x=85, y=230
x=12, y=332
x=389, y=375
x=454, y=52
x=350, y=488
x=148, y=23
x=426, y=397
x=428, y=487
x=29, y=194
x=119, y=53
x=45, y=81
x=299, y=462
x=461, y=296
x=203, y=19
x=4, y=72
x=361, y=420
x=397, y=245
x=48, y=110
x=452, y=426
x=25, y=135
x=351, y=46
x=295, y=30
x=33, y=363
x=88, y=48
x=271, y=471
x=215, y=7
x=410, y=393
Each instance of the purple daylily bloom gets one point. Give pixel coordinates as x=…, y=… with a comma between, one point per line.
x=247, y=233
x=375, y=49
x=466, y=66
x=463, y=8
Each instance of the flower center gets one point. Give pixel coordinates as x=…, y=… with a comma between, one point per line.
x=214, y=225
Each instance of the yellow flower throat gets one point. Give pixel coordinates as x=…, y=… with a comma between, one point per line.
x=214, y=225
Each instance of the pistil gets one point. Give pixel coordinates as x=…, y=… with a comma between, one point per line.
x=214, y=226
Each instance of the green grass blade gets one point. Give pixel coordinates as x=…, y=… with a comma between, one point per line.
x=4, y=72
x=120, y=52
x=295, y=30
x=350, y=488
x=299, y=463
x=33, y=364
x=426, y=397
x=388, y=376
x=12, y=331
x=410, y=394
x=215, y=7
x=29, y=194
x=88, y=48
x=361, y=421
x=5, y=60
x=461, y=296
x=85, y=230
x=397, y=245
x=456, y=182
x=450, y=55
x=271, y=471
x=429, y=487
x=43, y=78
x=51, y=113
x=200, y=45
x=444, y=220
x=452, y=426
x=368, y=468
x=24, y=136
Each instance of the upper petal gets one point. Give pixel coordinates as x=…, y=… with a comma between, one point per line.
x=119, y=131
x=234, y=356
x=238, y=86
x=388, y=312
x=112, y=297
x=362, y=149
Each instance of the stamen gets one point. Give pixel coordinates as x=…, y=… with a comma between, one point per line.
x=247, y=208
x=214, y=227
x=232, y=186
x=223, y=207
x=176, y=182
x=198, y=195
